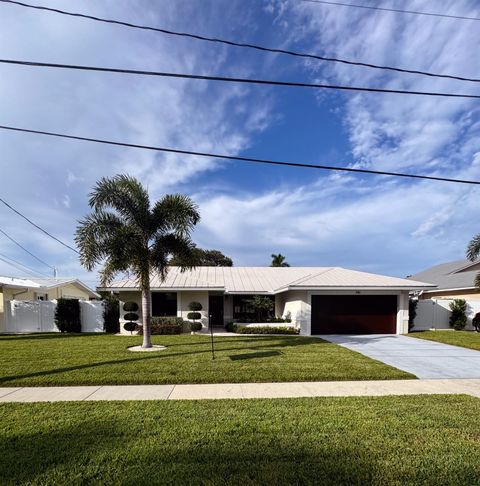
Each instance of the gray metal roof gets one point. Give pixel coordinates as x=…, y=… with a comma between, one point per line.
x=450, y=275
x=269, y=279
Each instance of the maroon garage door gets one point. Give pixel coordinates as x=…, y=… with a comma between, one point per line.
x=354, y=314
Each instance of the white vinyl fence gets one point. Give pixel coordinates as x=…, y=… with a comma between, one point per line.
x=38, y=316
x=435, y=313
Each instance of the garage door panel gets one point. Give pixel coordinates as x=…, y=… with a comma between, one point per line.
x=353, y=314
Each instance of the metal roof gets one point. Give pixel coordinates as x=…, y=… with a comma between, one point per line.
x=450, y=275
x=269, y=280
x=45, y=283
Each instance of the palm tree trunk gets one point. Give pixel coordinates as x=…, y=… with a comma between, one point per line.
x=146, y=316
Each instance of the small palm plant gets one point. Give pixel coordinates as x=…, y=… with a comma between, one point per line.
x=278, y=261
x=126, y=234
x=473, y=253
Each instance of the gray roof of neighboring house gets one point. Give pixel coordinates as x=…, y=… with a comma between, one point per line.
x=269, y=279
x=450, y=275
x=44, y=283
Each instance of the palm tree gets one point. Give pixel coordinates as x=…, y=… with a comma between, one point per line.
x=125, y=234
x=473, y=253
x=278, y=261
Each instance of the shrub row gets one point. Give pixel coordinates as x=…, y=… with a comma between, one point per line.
x=261, y=329
x=164, y=325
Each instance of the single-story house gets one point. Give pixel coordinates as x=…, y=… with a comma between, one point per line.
x=453, y=280
x=320, y=300
x=33, y=289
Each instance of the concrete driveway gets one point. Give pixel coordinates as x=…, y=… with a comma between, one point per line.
x=424, y=359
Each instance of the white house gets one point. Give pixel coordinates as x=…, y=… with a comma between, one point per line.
x=320, y=300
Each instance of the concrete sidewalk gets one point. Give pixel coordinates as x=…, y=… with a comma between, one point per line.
x=241, y=390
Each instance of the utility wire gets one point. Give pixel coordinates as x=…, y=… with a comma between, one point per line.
x=242, y=44
x=385, y=9
x=37, y=226
x=18, y=265
x=238, y=158
x=24, y=249
x=233, y=80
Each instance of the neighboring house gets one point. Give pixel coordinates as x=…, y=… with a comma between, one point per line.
x=454, y=280
x=33, y=289
x=320, y=300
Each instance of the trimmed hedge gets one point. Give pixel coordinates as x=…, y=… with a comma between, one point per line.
x=196, y=326
x=130, y=306
x=164, y=325
x=67, y=315
x=194, y=316
x=262, y=329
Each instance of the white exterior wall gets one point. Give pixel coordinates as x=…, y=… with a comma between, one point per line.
x=295, y=302
x=184, y=298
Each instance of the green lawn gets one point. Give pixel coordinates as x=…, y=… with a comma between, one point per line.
x=382, y=440
x=55, y=359
x=466, y=339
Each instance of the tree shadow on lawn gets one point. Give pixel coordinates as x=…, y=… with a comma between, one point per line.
x=103, y=451
x=109, y=451
x=161, y=356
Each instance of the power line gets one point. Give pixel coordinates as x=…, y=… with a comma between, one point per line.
x=24, y=249
x=18, y=265
x=242, y=44
x=232, y=80
x=396, y=10
x=238, y=158
x=37, y=226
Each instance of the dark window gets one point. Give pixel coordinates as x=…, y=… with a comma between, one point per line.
x=243, y=311
x=164, y=304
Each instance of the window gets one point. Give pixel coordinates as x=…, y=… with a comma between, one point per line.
x=242, y=309
x=164, y=304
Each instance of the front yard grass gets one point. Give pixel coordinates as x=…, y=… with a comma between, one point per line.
x=466, y=339
x=381, y=440
x=55, y=359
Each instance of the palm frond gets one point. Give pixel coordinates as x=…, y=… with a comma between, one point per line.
x=176, y=213
x=477, y=280
x=181, y=248
x=473, y=249
x=125, y=195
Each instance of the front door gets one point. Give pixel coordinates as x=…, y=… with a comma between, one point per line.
x=215, y=310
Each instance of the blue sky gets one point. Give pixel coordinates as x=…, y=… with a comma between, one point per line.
x=376, y=224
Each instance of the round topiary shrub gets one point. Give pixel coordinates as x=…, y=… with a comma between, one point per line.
x=195, y=306
x=193, y=316
x=196, y=326
x=130, y=326
x=131, y=316
x=130, y=306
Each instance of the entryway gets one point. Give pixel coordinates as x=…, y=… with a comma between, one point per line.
x=215, y=310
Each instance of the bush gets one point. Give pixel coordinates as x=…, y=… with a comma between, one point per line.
x=130, y=307
x=458, y=317
x=412, y=312
x=130, y=316
x=164, y=325
x=230, y=327
x=193, y=316
x=111, y=313
x=266, y=330
x=130, y=326
x=196, y=326
x=67, y=315
x=195, y=306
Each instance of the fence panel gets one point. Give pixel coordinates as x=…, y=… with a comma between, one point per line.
x=91, y=313
x=25, y=316
x=435, y=314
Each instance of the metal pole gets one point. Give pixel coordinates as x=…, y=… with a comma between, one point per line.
x=211, y=335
